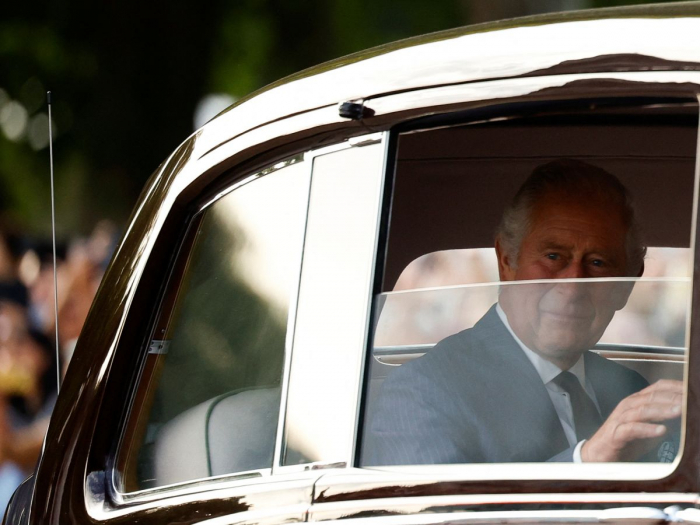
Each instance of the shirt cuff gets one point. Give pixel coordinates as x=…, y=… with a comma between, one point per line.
x=577, y=452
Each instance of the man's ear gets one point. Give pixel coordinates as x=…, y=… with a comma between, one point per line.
x=506, y=267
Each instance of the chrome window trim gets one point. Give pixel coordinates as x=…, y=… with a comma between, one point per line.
x=370, y=298
x=221, y=487
x=695, y=289
x=291, y=322
x=189, y=487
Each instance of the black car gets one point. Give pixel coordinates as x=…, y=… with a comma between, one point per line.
x=301, y=248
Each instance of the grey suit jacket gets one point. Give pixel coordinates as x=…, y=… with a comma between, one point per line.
x=476, y=398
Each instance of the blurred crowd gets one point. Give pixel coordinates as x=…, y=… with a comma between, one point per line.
x=28, y=356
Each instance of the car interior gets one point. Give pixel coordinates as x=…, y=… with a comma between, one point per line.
x=452, y=181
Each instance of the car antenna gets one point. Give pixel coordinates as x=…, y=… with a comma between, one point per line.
x=53, y=235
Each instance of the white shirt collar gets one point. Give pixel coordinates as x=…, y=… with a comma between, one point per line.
x=546, y=369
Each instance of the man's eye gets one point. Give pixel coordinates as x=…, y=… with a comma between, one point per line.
x=598, y=262
x=553, y=256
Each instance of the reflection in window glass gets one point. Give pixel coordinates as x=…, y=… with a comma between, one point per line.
x=428, y=318
x=450, y=402
x=210, y=393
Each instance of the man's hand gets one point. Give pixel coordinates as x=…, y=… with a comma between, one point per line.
x=634, y=427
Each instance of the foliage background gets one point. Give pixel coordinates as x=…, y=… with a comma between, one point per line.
x=131, y=79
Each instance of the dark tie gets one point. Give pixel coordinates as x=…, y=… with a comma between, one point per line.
x=587, y=420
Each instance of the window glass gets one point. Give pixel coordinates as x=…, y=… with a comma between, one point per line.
x=434, y=317
x=209, y=394
x=519, y=329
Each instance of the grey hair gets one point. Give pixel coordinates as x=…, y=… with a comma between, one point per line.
x=576, y=179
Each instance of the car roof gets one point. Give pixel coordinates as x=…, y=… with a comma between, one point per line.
x=614, y=39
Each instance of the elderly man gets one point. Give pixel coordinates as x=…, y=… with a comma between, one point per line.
x=522, y=384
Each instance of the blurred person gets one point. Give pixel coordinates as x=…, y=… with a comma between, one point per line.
x=27, y=388
x=85, y=266
x=37, y=263
x=79, y=275
x=11, y=248
x=522, y=384
x=27, y=324
x=31, y=395
x=10, y=474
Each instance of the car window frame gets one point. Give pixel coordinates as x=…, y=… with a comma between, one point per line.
x=254, y=477
x=170, y=286
x=551, y=91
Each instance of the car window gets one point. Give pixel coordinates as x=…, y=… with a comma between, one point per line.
x=474, y=346
x=208, y=397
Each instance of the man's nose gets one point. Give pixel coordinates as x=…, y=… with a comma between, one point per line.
x=573, y=270
x=572, y=290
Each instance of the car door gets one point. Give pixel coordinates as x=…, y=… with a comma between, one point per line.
x=459, y=157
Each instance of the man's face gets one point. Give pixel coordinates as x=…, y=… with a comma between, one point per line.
x=568, y=239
